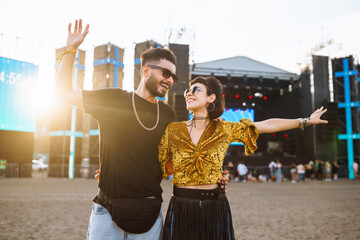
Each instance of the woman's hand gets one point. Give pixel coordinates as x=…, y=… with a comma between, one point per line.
x=315, y=117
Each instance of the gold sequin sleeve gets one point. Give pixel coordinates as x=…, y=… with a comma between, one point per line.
x=244, y=131
x=164, y=152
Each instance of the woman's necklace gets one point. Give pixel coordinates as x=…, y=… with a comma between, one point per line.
x=138, y=119
x=192, y=122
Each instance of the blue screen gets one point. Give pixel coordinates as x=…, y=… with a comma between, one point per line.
x=15, y=113
x=234, y=115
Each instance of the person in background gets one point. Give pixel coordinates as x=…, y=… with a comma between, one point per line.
x=335, y=170
x=319, y=169
x=301, y=172
x=293, y=173
x=3, y=168
x=355, y=167
x=308, y=168
x=263, y=178
x=251, y=177
x=312, y=170
x=327, y=168
x=278, y=167
x=242, y=171
x=272, y=170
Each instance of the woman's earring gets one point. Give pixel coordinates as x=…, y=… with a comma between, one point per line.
x=213, y=107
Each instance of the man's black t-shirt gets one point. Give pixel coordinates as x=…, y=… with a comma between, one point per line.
x=128, y=153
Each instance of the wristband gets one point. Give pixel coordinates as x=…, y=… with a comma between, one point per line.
x=58, y=59
x=301, y=123
x=304, y=122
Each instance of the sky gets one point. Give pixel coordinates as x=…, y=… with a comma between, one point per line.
x=278, y=32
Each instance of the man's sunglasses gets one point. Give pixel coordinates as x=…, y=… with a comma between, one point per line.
x=165, y=72
x=193, y=90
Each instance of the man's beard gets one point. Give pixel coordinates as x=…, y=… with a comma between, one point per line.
x=152, y=84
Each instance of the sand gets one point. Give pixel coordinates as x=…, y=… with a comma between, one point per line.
x=50, y=208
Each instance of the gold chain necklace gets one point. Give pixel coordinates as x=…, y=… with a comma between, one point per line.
x=138, y=119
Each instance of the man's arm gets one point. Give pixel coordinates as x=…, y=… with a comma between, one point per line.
x=277, y=125
x=224, y=180
x=64, y=88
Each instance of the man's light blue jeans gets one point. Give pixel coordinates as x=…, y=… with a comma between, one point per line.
x=101, y=226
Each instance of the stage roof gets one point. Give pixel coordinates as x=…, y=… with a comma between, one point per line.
x=241, y=66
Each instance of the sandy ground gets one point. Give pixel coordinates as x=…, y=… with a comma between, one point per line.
x=48, y=208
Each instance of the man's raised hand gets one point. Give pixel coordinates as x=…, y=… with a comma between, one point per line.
x=76, y=37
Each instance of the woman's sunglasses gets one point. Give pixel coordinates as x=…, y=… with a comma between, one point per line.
x=165, y=72
x=193, y=90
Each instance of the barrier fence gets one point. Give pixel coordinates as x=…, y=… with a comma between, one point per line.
x=15, y=170
x=264, y=170
x=62, y=170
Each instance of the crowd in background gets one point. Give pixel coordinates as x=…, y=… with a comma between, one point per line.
x=274, y=172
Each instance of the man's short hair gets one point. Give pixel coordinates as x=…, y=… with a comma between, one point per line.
x=156, y=54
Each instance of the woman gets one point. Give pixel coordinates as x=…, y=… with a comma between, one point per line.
x=278, y=167
x=327, y=171
x=194, y=152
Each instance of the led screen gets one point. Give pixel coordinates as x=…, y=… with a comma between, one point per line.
x=16, y=80
x=234, y=115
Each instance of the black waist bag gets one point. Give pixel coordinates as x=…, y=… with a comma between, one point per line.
x=132, y=215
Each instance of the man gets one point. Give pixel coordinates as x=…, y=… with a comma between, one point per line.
x=301, y=172
x=242, y=171
x=272, y=165
x=128, y=204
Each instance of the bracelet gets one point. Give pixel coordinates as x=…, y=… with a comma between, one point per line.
x=309, y=124
x=301, y=123
x=304, y=122
x=58, y=59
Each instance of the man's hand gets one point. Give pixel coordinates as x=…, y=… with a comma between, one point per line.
x=77, y=37
x=97, y=175
x=224, y=180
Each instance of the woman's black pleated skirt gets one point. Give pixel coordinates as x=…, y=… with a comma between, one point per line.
x=195, y=214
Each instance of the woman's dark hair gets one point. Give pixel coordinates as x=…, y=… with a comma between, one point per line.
x=213, y=86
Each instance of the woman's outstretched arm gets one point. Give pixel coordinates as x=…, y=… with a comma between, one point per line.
x=277, y=124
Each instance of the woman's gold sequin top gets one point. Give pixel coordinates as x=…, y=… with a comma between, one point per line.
x=202, y=163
